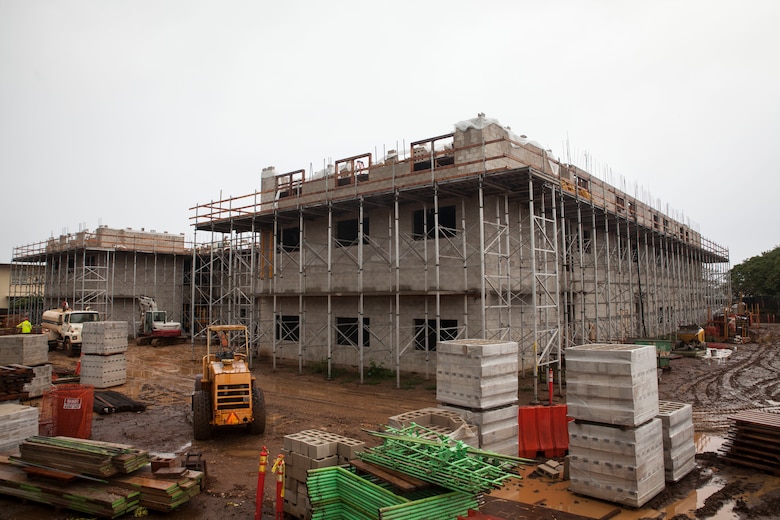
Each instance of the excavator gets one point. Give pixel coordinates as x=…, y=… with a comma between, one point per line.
x=155, y=329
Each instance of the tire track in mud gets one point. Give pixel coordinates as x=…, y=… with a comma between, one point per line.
x=746, y=380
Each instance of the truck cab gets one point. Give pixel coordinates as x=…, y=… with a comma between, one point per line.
x=64, y=328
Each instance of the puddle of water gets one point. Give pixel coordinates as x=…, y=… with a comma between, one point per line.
x=706, y=442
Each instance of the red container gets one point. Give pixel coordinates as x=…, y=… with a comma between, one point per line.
x=67, y=410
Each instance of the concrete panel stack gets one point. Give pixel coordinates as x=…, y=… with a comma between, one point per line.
x=612, y=384
x=620, y=465
x=30, y=350
x=679, y=446
x=478, y=380
x=615, y=442
x=103, y=360
x=311, y=449
x=24, y=349
x=41, y=381
x=17, y=422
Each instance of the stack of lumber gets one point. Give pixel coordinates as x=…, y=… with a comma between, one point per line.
x=94, y=498
x=79, y=456
x=102, y=479
x=754, y=441
x=12, y=381
x=163, y=493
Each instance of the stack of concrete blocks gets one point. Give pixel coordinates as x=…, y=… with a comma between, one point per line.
x=31, y=350
x=17, y=422
x=615, y=441
x=437, y=421
x=103, y=360
x=311, y=449
x=679, y=446
x=478, y=380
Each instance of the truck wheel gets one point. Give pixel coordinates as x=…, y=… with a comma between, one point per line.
x=257, y=426
x=201, y=415
x=68, y=346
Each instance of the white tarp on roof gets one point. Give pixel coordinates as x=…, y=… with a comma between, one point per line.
x=480, y=122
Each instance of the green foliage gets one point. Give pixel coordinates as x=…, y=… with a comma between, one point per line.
x=758, y=275
x=377, y=372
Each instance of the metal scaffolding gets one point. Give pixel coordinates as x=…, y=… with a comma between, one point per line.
x=475, y=234
x=104, y=270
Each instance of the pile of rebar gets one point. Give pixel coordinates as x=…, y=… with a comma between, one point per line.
x=337, y=493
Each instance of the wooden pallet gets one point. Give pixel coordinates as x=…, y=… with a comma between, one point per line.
x=754, y=441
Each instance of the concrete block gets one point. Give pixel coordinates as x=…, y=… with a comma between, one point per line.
x=24, y=349
x=17, y=422
x=104, y=371
x=348, y=449
x=41, y=381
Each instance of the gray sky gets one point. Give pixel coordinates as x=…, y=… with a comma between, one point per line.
x=128, y=113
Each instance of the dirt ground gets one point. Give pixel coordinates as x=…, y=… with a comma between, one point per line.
x=162, y=378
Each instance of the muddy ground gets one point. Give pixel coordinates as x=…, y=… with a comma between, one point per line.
x=163, y=377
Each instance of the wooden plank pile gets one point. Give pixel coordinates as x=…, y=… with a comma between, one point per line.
x=12, y=381
x=103, y=479
x=754, y=441
x=81, y=456
x=163, y=494
x=93, y=498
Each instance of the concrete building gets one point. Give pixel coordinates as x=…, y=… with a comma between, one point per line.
x=105, y=270
x=478, y=233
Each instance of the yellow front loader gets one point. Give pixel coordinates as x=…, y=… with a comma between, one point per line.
x=226, y=393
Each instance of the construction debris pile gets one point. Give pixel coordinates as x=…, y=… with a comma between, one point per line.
x=98, y=478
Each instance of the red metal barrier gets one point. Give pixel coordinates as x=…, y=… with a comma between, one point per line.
x=542, y=431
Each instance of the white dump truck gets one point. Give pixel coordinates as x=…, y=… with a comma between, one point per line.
x=63, y=327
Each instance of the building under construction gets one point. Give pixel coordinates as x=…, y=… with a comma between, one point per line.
x=478, y=234
x=105, y=270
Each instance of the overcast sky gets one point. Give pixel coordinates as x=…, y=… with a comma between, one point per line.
x=128, y=113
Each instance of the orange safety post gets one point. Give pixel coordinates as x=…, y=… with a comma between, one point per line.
x=550, y=384
x=278, y=469
x=261, y=483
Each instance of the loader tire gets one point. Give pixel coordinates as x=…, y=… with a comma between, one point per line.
x=257, y=426
x=201, y=415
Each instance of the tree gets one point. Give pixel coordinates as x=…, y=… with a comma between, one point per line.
x=758, y=275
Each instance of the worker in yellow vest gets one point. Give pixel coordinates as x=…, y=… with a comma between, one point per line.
x=25, y=325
